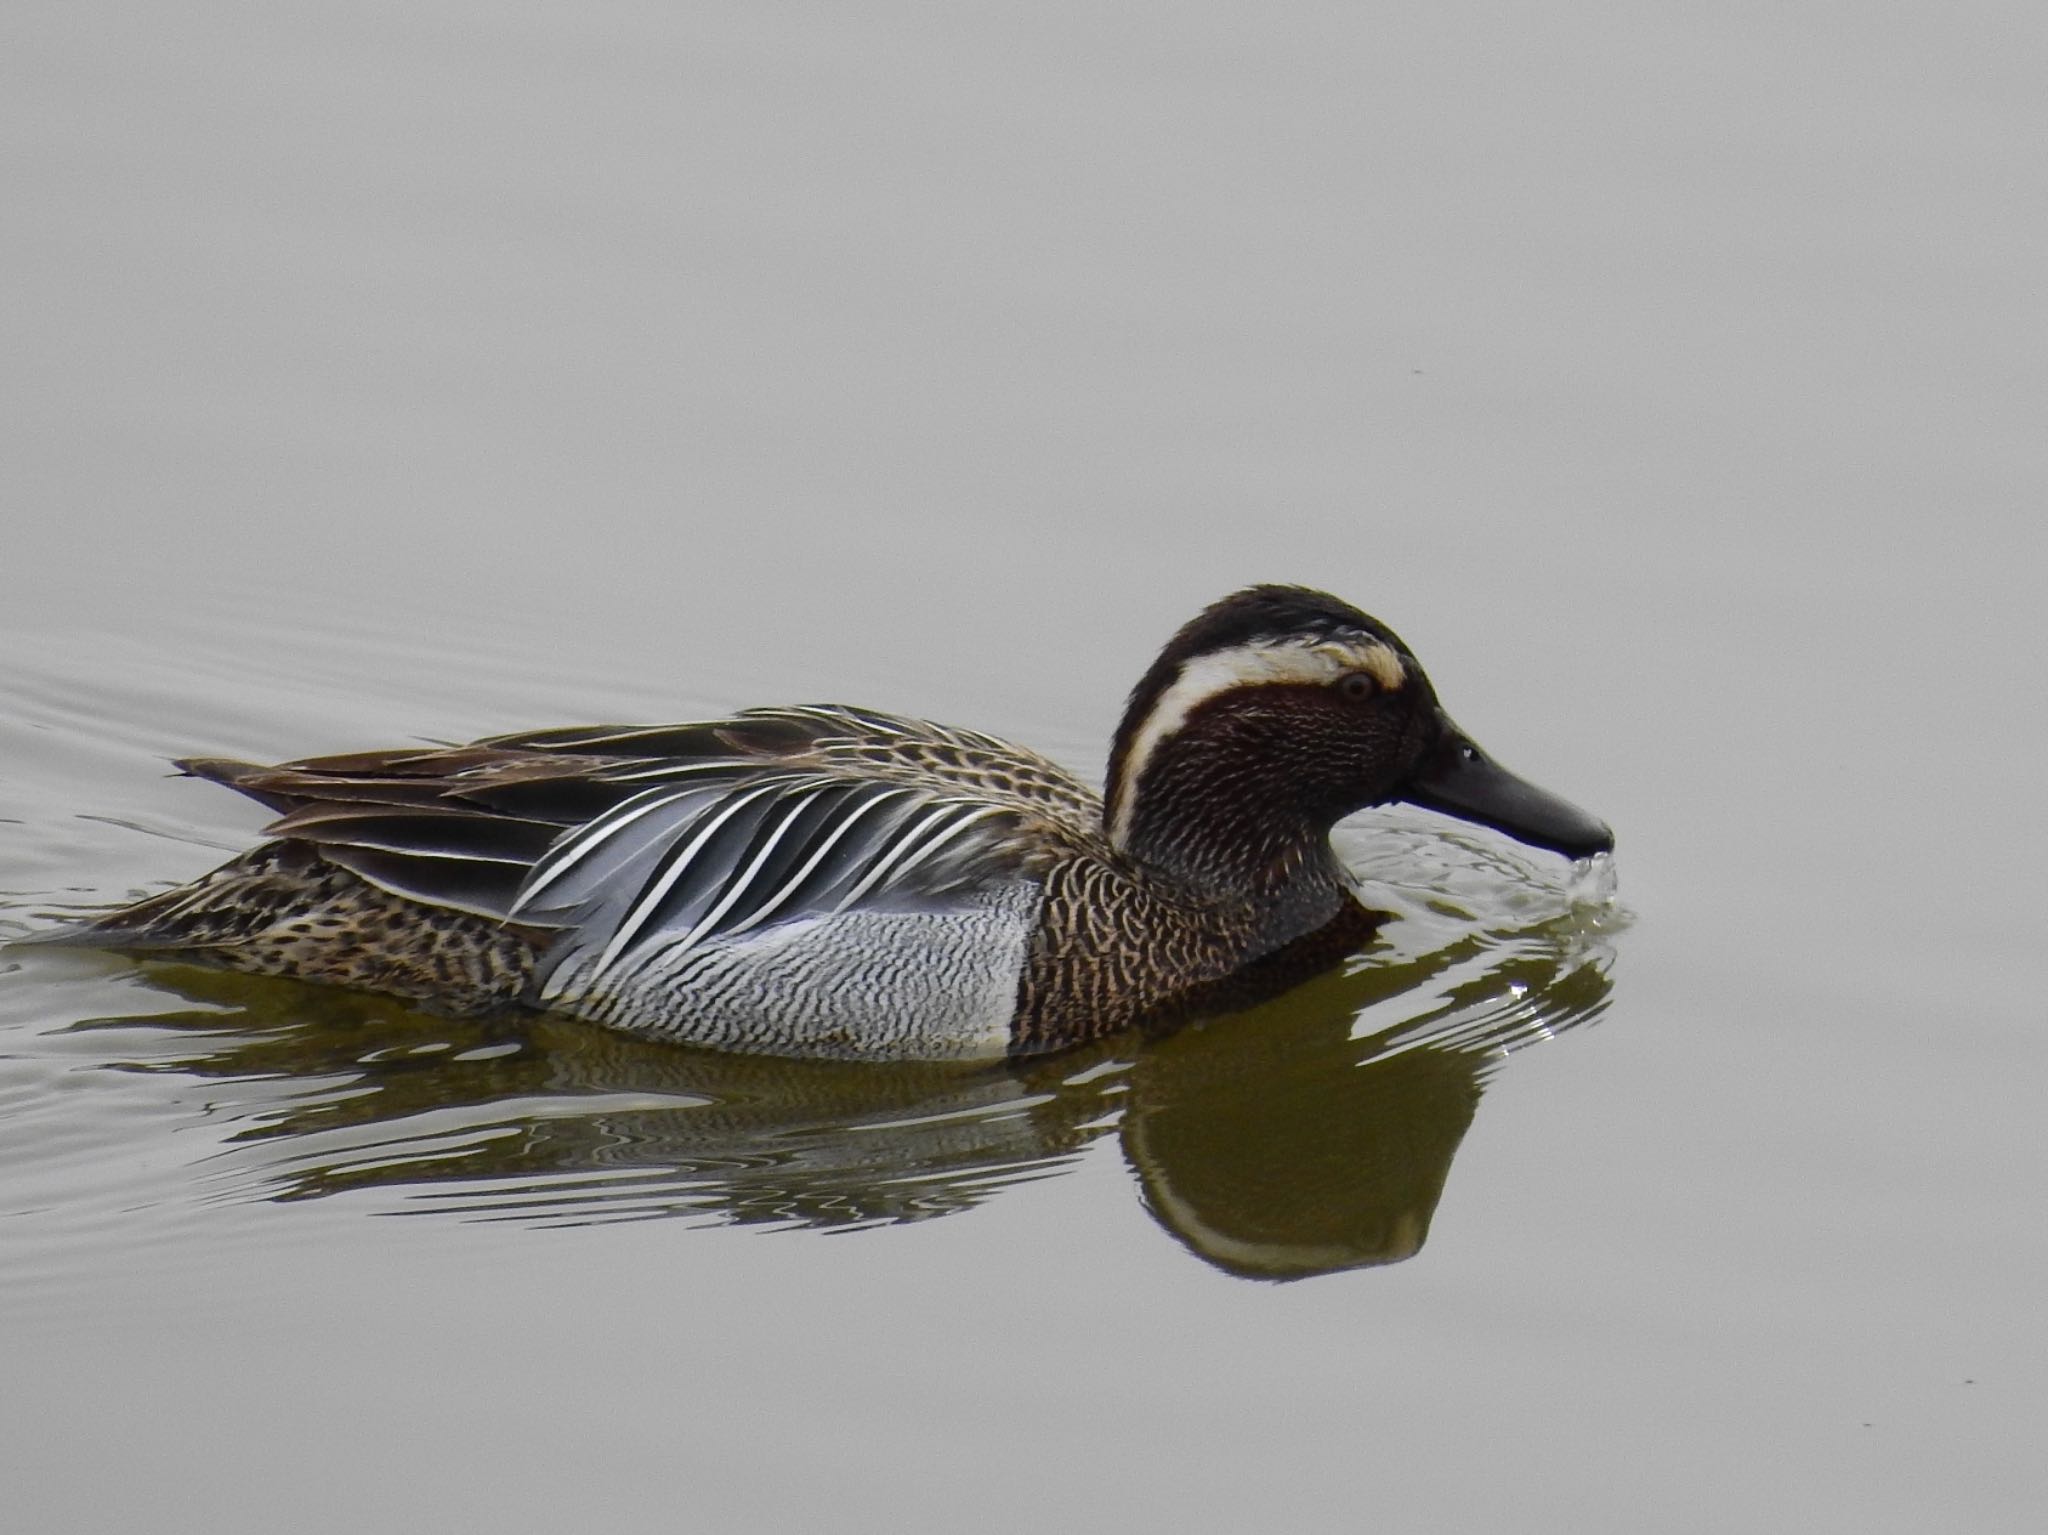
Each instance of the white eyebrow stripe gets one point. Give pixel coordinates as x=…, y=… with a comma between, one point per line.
x=1384, y=665
x=1251, y=665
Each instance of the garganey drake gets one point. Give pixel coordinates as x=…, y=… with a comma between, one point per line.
x=831, y=881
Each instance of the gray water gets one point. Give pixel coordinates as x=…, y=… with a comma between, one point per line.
x=1675, y=386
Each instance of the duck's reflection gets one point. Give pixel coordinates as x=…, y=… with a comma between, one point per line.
x=1312, y=1134
x=1284, y=1146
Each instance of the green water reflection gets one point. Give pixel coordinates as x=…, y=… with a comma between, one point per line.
x=1309, y=1135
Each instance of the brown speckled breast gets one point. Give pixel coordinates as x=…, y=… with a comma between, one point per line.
x=1111, y=953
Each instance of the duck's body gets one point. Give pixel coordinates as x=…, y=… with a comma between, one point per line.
x=833, y=881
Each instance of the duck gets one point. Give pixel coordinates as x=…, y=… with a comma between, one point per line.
x=830, y=881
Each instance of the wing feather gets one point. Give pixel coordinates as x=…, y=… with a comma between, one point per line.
x=693, y=866
x=483, y=889
x=422, y=833
x=621, y=836
x=678, y=862
x=827, y=856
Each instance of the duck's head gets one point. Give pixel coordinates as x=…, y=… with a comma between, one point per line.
x=1279, y=710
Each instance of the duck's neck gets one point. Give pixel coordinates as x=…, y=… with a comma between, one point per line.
x=1227, y=840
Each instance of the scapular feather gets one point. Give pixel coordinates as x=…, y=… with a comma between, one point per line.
x=483, y=888
x=691, y=865
x=427, y=832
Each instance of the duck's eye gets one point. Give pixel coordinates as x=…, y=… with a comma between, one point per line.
x=1355, y=687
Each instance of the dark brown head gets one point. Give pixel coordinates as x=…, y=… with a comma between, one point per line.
x=1279, y=710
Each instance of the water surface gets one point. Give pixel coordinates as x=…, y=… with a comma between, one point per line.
x=1673, y=386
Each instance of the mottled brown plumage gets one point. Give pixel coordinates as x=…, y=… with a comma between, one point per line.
x=282, y=909
x=766, y=868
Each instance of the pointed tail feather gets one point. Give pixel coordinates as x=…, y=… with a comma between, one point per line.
x=239, y=776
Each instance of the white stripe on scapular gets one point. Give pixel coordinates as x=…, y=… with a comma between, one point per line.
x=660, y=957
x=931, y=848
x=679, y=769
x=795, y=882
x=407, y=850
x=566, y=741
x=836, y=714
x=740, y=886
x=678, y=866
x=593, y=836
x=935, y=821
x=883, y=723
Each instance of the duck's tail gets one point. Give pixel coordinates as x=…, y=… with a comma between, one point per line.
x=283, y=909
x=215, y=911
